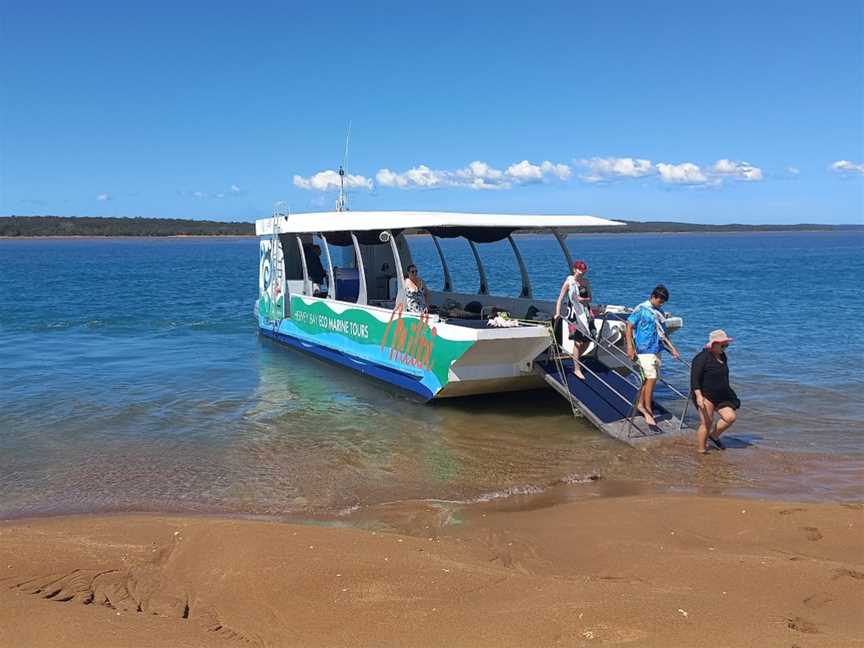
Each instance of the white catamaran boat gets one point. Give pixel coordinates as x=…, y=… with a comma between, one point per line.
x=355, y=313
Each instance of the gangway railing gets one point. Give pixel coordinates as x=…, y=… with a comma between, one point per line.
x=636, y=370
x=558, y=355
x=559, y=365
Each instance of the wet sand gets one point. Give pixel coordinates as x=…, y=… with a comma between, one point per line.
x=644, y=570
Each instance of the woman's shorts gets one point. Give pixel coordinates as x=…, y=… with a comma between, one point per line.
x=650, y=363
x=576, y=335
x=734, y=403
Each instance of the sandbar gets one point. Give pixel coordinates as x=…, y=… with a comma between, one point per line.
x=641, y=570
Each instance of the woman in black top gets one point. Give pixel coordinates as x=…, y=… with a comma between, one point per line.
x=709, y=384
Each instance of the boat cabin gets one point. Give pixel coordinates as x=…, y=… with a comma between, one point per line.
x=363, y=257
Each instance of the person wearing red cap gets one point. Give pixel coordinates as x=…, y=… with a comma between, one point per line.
x=712, y=393
x=578, y=290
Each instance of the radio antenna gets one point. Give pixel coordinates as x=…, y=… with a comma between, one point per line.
x=341, y=201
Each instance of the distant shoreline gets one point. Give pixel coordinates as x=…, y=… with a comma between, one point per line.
x=79, y=227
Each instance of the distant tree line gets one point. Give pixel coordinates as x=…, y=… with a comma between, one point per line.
x=674, y=227
x=98, y=226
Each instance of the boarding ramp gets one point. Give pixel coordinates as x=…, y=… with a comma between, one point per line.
x=607, y=398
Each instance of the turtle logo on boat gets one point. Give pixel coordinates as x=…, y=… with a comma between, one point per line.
x=410, y=344
x=271, y=297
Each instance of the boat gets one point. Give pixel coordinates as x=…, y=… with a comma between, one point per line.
x=355, y=314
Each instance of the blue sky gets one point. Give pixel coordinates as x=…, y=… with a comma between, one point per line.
x=711, y=112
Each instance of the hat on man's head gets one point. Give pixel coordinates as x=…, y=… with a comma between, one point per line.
x=580, y=265
x=717, y=337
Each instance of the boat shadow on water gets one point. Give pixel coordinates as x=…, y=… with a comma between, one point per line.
x=534, y=404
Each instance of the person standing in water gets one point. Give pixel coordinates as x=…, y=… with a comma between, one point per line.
x=712, y=393
x=648, y=322
x=578, y=290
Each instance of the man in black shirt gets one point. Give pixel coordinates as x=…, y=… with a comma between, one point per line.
x=314, y=266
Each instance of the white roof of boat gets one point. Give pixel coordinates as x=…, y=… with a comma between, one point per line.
x=397, y=220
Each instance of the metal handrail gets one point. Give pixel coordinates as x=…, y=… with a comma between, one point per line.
x=630, y=416
x=559, y=366
x=599, y=343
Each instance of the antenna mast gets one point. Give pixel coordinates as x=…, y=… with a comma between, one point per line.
x=341, y=200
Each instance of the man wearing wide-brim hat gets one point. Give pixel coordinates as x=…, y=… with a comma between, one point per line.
x=712, y=393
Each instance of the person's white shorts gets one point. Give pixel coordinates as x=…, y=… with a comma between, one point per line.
x=650, y=363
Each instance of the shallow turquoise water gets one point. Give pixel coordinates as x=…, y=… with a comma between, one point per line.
x=132, y=378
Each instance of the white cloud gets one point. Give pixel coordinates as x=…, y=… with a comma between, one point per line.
x=481, y=175
x=793, y=170
x=477, y=175
x=847, y=168
x=423, y=176
x=478, y=169
x=560, y=171
x=329, y=181
x=419, y=176
x=199, y=194
x=526, y=173
x=600, y=169
x=388, y=178
x=685, y=173
x=103, y=197
x=737, y=170
x=235, y=189
x=604, y=169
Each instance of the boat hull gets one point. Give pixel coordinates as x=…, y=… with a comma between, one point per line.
x=387, y=375
x=422, y=355
x=427, y=356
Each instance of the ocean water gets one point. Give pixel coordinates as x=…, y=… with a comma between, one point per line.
x=132, y=378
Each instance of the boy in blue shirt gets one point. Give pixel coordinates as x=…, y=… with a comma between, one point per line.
x=649, y=323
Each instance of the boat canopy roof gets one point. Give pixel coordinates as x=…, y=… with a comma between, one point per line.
x=481, y=228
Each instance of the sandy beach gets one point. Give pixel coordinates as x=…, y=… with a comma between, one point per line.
x=642, y=570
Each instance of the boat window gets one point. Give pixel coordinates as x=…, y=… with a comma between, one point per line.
x=502, y=271
x=347, y=279
x=546, y=264
x=316, y=265
x=381, y=273
x=460, y=260
x=291, y=254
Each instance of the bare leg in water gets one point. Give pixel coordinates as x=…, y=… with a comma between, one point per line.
x=726, y=416
x=706, y=418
